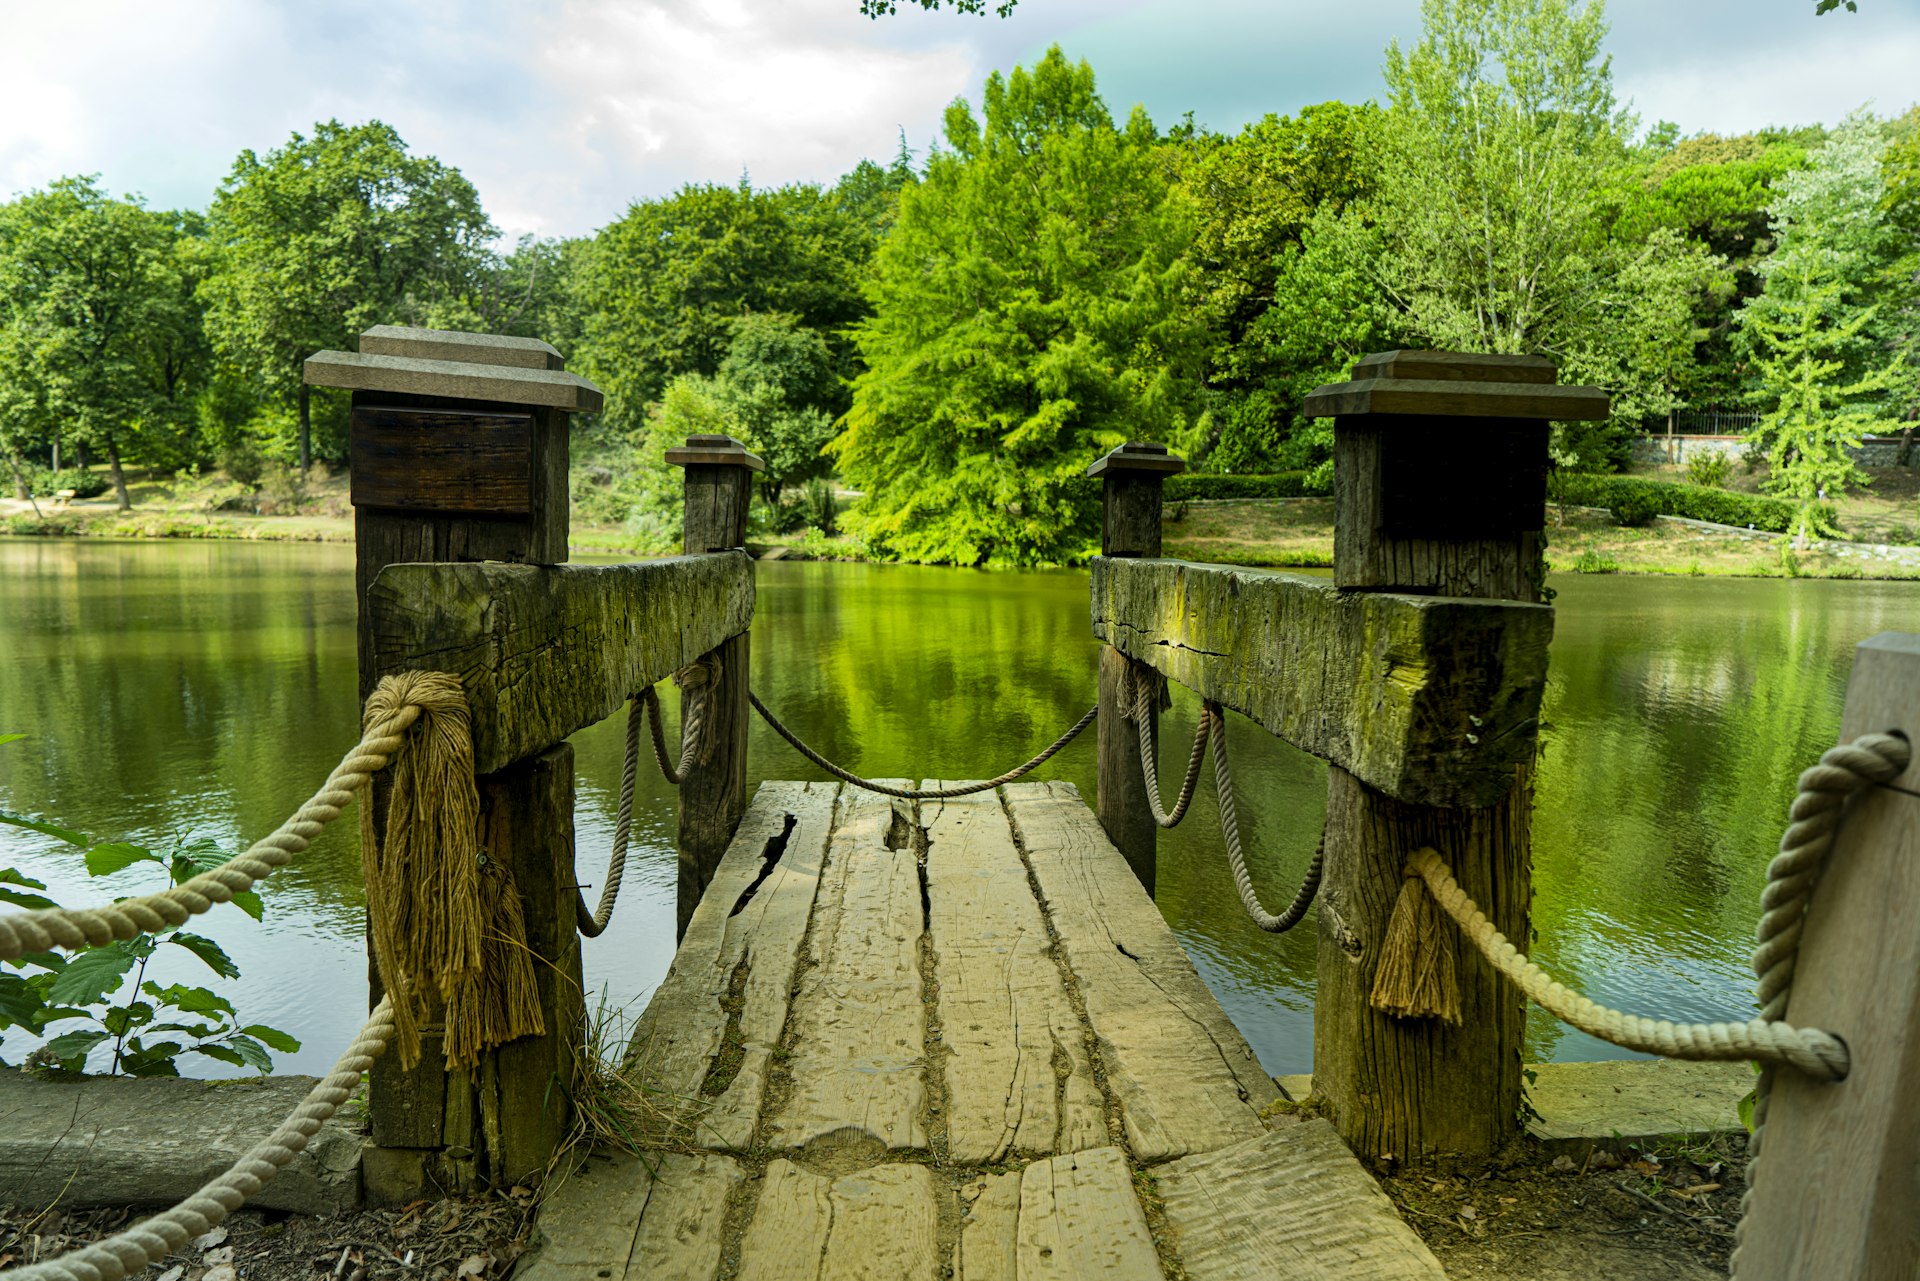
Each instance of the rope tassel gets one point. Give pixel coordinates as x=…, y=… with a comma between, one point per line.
x=446, y=931
x=1416, y=978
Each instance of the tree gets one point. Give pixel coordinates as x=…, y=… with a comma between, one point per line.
x=91, y=296
x=1825, y=362
x=1031, y=308
x=778, y=386
x=325, y=237
x=1502, y=132
x=662, y=288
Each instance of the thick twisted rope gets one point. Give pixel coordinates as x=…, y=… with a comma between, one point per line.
x=593, y=924
x=147, y=1242
x=1143, y=695
x=76, y=928
x=1214, y=719
x=1824, y=789
x=919, y=794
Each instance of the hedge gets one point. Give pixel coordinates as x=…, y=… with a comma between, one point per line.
x=1634, y=501
x=1286, y=484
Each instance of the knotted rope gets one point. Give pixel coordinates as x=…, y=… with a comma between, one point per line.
x=447, y=924
x=147, y=1242
x=1823, y=792
x=76, y=928
x=1144, y=697
x=1214, y=719
x=919, y=794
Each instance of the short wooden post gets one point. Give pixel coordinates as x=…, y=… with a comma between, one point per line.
x=1440, y=463
x=1838, y=1176
x=719, y=486
x=459, y=453
x=1131, y=477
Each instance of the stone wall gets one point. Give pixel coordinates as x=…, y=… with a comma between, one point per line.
x=1874, y=451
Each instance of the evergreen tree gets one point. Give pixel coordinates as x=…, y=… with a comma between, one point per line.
x=1033, y=306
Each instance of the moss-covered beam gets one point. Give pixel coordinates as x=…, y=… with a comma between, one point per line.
x=1431, y=699
x=546, y=650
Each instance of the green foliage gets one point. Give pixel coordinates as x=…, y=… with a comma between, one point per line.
x=1031, y=309
x=326, y=236
x=777, y=385
x=84, y=482
x=883, y=8
x=1814, y=335
x=1634, y=496
x=1289, y=484
x=150, y=1026
x=1709, y=469
x=662, y=290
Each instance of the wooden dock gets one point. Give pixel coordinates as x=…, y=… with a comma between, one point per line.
x=954, y=1038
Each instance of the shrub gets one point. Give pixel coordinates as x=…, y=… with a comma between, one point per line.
x=1709, y=470
x=83, y=483
x=1628, y=495
x=817, y=506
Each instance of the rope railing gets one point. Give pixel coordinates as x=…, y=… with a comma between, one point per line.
x=1144, y=696
x=914, y=793
x=1214, y=719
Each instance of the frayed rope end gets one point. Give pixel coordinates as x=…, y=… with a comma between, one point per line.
x=1416, y=978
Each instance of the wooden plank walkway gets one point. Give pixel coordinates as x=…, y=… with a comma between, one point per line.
x=953, y=1039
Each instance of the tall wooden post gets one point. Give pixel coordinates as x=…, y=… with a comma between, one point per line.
x=1838, y=1173
x=719, y=487
x=1131, y=477
x=1440, y=462
x=459, y=453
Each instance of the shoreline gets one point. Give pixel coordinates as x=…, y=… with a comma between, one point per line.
x=1251, y=533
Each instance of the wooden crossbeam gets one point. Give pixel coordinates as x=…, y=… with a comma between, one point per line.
x=546, y=650
x=1432, y=700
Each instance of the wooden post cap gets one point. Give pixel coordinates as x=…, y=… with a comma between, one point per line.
x=448, y=364
x=1455, y=384
x=721, y=451
x=1138, y=456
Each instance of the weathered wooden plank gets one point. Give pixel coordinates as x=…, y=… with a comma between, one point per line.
x=860, y=1026
x=1018, y=1078
x=1293, y=1203
x=1428, y=699
x=427, y=460
x=1184, y=1076
x=989, y=1248
x=452, y=379
x=1838, y=1174
x=456, y=345
x=543, y=651
x=877, y=1224
x=1080, y=1221
x=739, y=955
x=623, y=1216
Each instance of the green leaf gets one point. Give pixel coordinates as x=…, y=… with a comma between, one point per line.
x=151, y=1060
x=249, y=902
x=89, y=976
x=11, y=738
x=122, y=1019
x=252, y=1053
x=1746, y=1107
x=273, y=1036
x=44, y=960
x=71, y=1047
x=207, y=950
x=21, y=1003
x=116, y=856
x=214, y=1050
x=16, y=897
x=71, y=837
x=190, y=1000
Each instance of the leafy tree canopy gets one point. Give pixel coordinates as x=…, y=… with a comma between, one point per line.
x=327, y=236
x=1032, y=307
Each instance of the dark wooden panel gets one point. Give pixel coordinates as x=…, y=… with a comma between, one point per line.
x=1435, y=484
x=422, y=460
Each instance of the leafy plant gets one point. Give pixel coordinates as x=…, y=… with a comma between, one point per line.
x=106, y=988
x=1709, y=470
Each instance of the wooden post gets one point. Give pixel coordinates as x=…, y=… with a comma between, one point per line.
x=459, y=453
x=719, y=486
x=1838, y=1174
x=1440, y=464
x=1131, y=477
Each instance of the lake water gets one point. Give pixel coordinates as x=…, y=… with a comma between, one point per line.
x=208, y=688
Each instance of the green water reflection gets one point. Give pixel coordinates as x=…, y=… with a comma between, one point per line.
x=209, y=687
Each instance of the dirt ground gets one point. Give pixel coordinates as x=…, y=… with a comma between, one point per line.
x=463, y=1240
x=1661, y=1214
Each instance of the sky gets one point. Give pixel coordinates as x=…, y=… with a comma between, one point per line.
x=563, y=112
